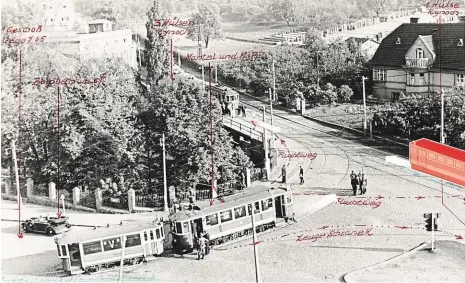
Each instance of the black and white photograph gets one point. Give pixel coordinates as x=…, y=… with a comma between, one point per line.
x=232, y=141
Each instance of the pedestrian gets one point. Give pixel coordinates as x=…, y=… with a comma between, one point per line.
x=283, y=173
x=364, y=187
x=301, y=175
x=354, y=182
x=243, y=111
x=360, y=182
x=201, y=247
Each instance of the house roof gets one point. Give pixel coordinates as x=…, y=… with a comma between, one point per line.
x=444, y=40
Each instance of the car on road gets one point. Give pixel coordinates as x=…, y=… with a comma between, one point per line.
x=47, y=224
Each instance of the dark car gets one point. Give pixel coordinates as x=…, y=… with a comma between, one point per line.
x=46, y=224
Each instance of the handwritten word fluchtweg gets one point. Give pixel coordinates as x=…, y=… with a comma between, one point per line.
x=447, y=8
x=246, y=55
x=334, y=233
x=67, y=82
x=375, y=204
x=22, y=29
x=299, y=154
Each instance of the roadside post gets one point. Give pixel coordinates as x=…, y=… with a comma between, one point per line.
x=255, y=249
x=63, y=202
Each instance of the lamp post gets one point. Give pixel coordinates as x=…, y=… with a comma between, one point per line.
x=442, y=116
x=54, y=75
x=317, y=68
x=364, y=106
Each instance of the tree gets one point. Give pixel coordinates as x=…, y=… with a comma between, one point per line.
x=344, y=93
x=157, y=47
x=209, y=19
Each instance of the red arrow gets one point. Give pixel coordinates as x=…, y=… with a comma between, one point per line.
x=283, y=141
x=401, y=227
x=458, y=237
x=379, y=197
x=324, y=227
x=419, y=197
x=59, y=214
x=256, y=243
x=253, y=123
x=284, y=235
x=211, y=202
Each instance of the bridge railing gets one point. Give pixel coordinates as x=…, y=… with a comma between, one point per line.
x=248, y=130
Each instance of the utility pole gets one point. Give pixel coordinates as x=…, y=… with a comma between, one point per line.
x=165, y=190
x=203, y=79
x=442, y=116
x=255, y=248
x=265, y=146
x=274, y=80
x=123, y=246
x=271, y=107
x=317, y=68
x=216, y=72
x=364, y=106
x=10, y=136
x=138, y=50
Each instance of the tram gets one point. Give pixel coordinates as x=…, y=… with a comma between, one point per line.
x=226, y=96
x=232, y=219
x=99, y=249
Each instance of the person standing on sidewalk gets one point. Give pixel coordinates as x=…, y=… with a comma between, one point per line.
x=243, y=111
x=364, y=185
x=301, y=175
x=283, y=173
x=360, y=182
x=354, y=182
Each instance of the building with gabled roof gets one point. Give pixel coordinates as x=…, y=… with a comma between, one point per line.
x=419, y=59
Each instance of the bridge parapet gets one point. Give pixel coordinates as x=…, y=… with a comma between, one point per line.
x=242, y=127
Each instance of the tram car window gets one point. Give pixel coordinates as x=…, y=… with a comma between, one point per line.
x=133, y=240
x=240, y=212
x=257, y=207
x=212, y=219
x=111, y=244
x=226, y=216
x=92, y=247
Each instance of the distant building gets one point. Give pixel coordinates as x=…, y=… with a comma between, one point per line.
x=101, y=41
x=58, y=14
x=367, y=45
x=419, y=59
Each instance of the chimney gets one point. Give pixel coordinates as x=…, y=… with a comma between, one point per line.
x=461, y=19
x=414, y=20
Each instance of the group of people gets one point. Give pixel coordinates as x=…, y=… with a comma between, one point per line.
x=229, y=109
x=358, y=181
x=301, y=174
x=203, y=246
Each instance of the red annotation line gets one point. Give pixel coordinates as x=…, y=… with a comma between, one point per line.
x=20, y=234
x=381, y=197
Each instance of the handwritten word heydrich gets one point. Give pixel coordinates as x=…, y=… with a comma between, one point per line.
x=438, y=5
x=58, y=81
x=246, y=55
x=22, y=29
x=299, y=154
x=175, y=22
x=174, y=32
x=334, y=233
x=31, y=39
x=375, y=204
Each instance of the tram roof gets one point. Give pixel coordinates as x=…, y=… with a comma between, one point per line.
x=248, y=196
x=80, y=235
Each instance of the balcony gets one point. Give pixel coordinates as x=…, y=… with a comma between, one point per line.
x=417, y=63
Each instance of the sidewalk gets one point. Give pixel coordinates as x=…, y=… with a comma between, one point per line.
x=418, y=265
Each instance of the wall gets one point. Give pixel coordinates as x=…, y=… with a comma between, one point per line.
x=395, y=82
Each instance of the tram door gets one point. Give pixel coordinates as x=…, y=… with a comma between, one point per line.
x=75, y=256
x=278, y=201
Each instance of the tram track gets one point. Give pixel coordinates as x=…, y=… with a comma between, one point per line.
x=247, y=102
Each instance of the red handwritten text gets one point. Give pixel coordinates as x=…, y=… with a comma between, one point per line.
x=299, y=154
x=246, y=55
x=334, y=233
x=22, y=29
x=451, y=6
x=58, y=81
x=175, y=22
x=31, y=39
x=367, y=202
x=174, y=32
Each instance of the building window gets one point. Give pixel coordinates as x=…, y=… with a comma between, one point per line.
x=398, y=40
x=422, y=79
x=411, y=79
x=379, y=74
x=460, y=79
x=420, y=54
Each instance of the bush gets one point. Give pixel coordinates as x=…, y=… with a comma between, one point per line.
x=88, y=200
x=344, y=93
